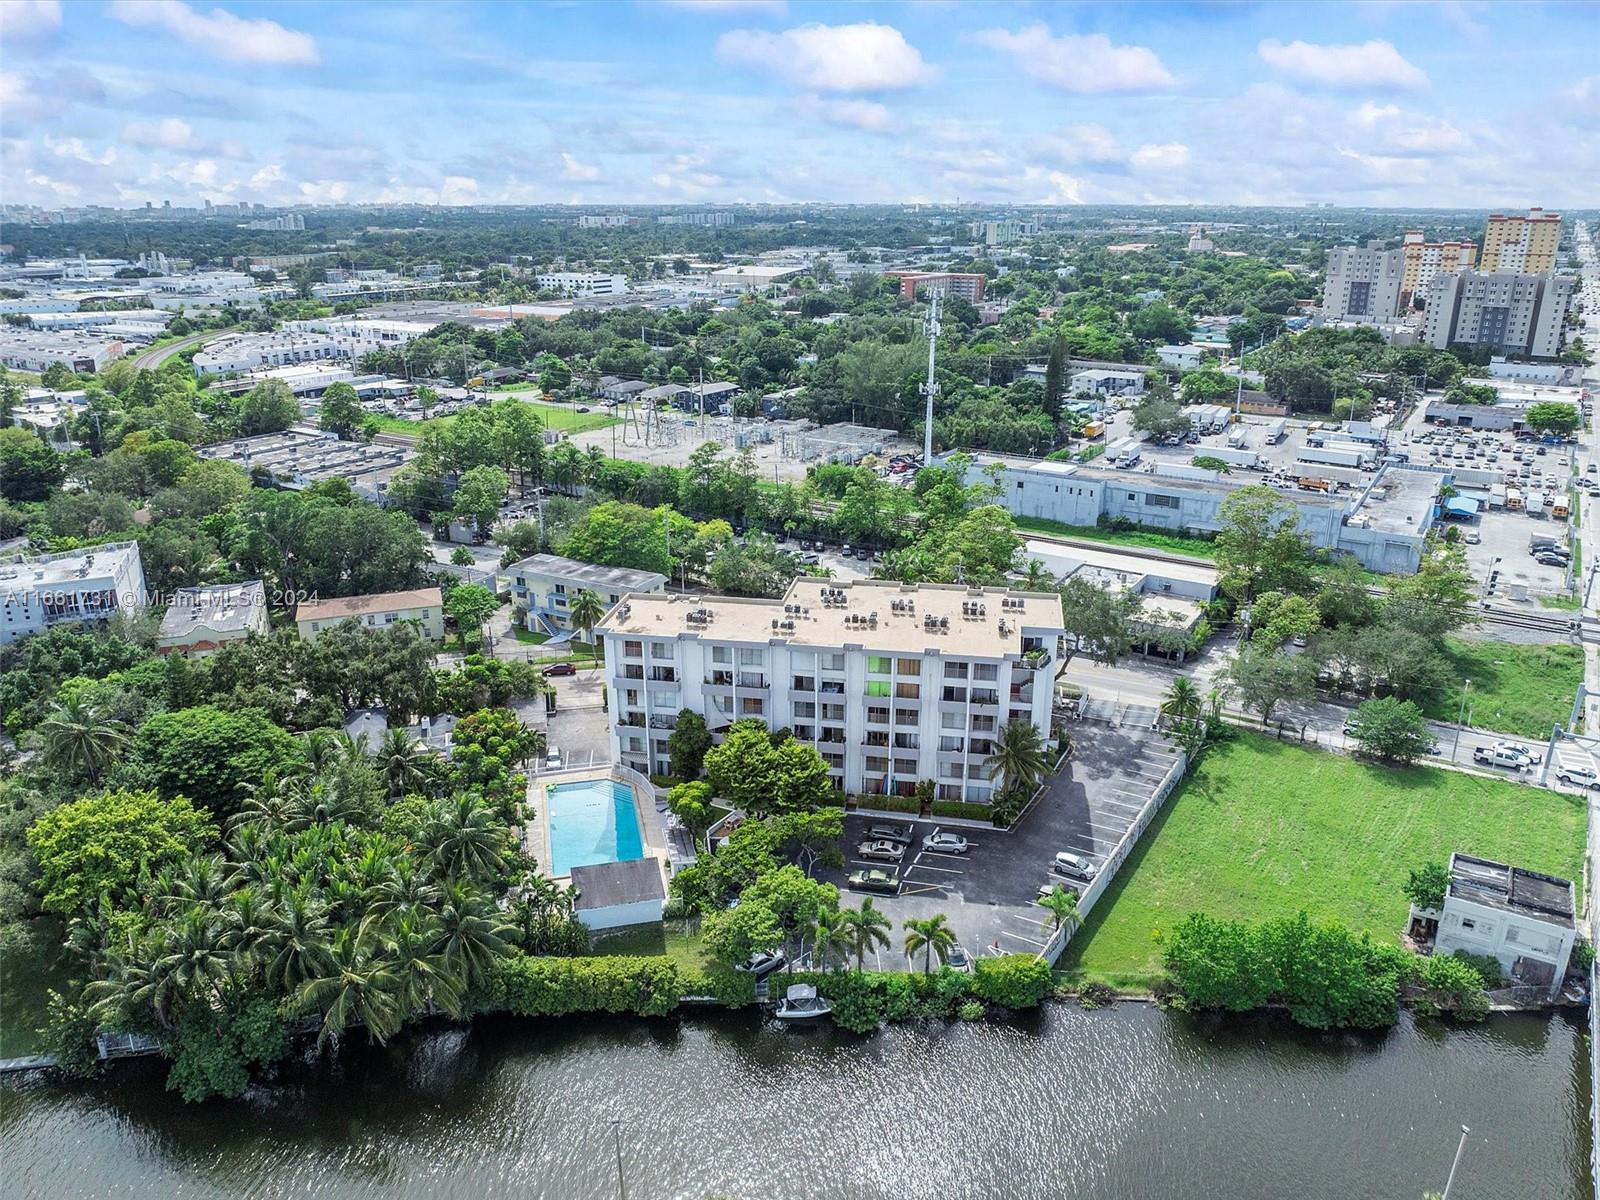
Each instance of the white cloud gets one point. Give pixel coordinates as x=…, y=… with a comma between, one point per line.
x=866, y=57
x=866, y=115
x=458, y=189
x=1385, y=168
x=1367, y=65
x=1389, y=127
x=1062, y=188
x=325, y=191
x=22, y=20
x=1585, y=91
x=776, y=8
x=688, y=175
x=577, y=171
x=1086, y=64
x=61, y=189
x=1169, y=156
x=1077, y=144
x=221, y=34
x=200, y=173
x=267, y=176
x=74, y=148
x=167, y=134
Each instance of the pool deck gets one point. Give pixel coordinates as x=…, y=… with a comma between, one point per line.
x=536, y=830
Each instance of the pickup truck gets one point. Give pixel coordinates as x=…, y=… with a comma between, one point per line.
x=1501, y=756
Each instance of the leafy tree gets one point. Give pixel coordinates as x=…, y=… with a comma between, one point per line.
x=615, y=534
x=210, y=755
x=1099, y=621
x=359, y=986
x=470, y=605
x=760, y=778
x=1217, y=964
x=1259, y=545
x=103, y=843
x=930, y=937
x=1265, y=679
x=1278, y=618
x=1160, y=417
x=267, y=408
x=688, y=743
x=1425, y=886
x=1208, y=462
x=1160, y=322
x=341, y=411
x=29, y=469
x=1551, y=417
x=479, y=495
x=1055, y=373
x=1207, y=386
x=1393, y=730
x=691, y=804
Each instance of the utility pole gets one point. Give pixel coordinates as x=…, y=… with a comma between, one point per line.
x=1460, y=1146
x=931, y=388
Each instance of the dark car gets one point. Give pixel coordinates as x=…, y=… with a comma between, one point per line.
x=863, y=553
x=555, y=669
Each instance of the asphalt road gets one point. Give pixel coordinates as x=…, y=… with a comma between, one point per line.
x=149, y=360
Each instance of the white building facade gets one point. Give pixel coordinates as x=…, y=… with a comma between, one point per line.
x=1523, y=919
x=892, y=683
x=1521, y=314
x=582, y=283
x=1363, y=284
x=78, y=587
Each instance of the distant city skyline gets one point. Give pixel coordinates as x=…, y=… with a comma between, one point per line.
x=1447, y=105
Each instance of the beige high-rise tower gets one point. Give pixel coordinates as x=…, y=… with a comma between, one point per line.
x=1425, y=259
x=1521, y=245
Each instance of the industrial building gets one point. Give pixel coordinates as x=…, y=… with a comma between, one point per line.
x=74, y=587
x=1382, y=519
x=892, y=683
x=1523, y=919
x=297, y=458
x=82, y=351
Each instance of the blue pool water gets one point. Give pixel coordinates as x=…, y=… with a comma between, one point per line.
x=592, y=822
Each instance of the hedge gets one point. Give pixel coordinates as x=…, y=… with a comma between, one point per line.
x=1012, y=980
x=904, y=804
x=968, y=809
x=553, y=987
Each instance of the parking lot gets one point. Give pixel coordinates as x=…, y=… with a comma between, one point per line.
x=989, y=894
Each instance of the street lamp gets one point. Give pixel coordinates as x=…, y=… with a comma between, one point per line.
x=1460, y=1146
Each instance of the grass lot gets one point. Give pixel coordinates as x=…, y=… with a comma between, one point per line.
x=1521, y=690
x=1174, y=543
x=1571, y=603
x=676, y=939
x=1264, y=829
x=562, y=417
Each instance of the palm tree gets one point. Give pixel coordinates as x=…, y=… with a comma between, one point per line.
x=297, y=943
x=464, y=838
x=425, y=975
x=931, y=935
x=472, y=933
x=358, y=986
x=1036, y=577
x=586, y=612
x=1063, y=906
x=830, y=939
x=80, y=740
x=865, y=928
x=1018, y=762
x=400, y=758
x=194, y=955
x=1182, y=700
x=267, y=804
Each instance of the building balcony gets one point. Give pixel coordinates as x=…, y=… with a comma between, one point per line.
x=749, y=680
x=663, y=675
x=985, y=698
x=660, y=721
x=832, y=687
x=719, y=679
x=630, y=721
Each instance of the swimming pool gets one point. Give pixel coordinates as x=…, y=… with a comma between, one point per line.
x=596, y=821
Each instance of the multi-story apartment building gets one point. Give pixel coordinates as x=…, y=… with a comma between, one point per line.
x=425, y=606
x=1363, y=284
x=200, y=621
x=1002, y=232
x=74, y=587
x=892, y=683
x=1425, y=259
x=1509, y=312
x=1522, y=245
x=545, y=585
x=967, y=285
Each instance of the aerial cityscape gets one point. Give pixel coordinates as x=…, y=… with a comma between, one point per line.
x=733, y=598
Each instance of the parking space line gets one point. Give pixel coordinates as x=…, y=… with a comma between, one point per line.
x=942, y=854
x=922, y=866
x=1021, y=938
x=875, y=864
x=923, y=889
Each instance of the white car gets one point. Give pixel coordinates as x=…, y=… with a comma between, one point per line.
x=945, y=842
x=1534, y=757
x=552, y=759
x=1584, y=777
x=1073, y=866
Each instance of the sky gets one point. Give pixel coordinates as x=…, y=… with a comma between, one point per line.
x=1473, y=105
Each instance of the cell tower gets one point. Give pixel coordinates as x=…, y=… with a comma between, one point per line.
x=930, y=389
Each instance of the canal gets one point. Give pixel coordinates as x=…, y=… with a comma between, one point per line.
x=1117, y=1105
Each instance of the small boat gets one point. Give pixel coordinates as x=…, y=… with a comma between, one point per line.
x=801, y=1003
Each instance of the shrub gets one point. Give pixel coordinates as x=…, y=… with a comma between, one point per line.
x=905, y=804
x=733, y=988
x=1452, y=984
x=553, y=987
x=1582, y=955
x=1012, y=980
x=1487, y=967
x=971, y=1010
x=1096, y=995
x=961, y=808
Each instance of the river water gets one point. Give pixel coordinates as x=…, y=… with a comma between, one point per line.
x=1125, y=1104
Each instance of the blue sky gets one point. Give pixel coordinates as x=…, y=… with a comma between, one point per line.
x=1413, y=104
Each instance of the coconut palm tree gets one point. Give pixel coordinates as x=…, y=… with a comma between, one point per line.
x=1182, y=700
x=1018, y=762
x=267, y=804
x=472, y=933
x=80, y=740
x=585, y=613
x=357, y=986
x=1063, y=906
x=464, y=838
x=400, y=759
x=425, y=975
x=1036, y=577
x=830, y=939
x=194, y=957
x=296, y=946
x=864, y=928
x=930, y=935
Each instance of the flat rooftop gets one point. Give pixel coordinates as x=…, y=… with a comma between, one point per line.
x=355, y=606
x=224, y=607
x=1515, y=889
x=616, y=579
x=607, y=885
x=1119, y=562
x=881, y=615
x=68, y=566
x=1400, y=501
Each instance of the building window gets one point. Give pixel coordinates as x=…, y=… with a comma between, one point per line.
x=908, y=666
x=878, y=665
x=986, y=671
x=1154, y=501
x=955, y=670
x=908, y=691
x=877, y=687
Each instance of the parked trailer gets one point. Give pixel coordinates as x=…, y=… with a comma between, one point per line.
x=1247, y=459
x=1237, y=437
x=1277, y=431
x=1333, y=458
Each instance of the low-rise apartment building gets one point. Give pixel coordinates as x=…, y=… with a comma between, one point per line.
x=76, y=587
x=545, y=584
x=966, y=284
x=1522, y=918
x=200, y=621
x=425, y=606
x=892, y=683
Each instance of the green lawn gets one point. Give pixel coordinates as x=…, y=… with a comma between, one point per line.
x=675, y=939
x=1521, y=690
x=1265, y=829
x=1174, y=543
x=562, y=417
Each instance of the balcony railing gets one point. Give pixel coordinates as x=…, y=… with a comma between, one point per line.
x=719, y=679
x=752, y=679
x=832, y=687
